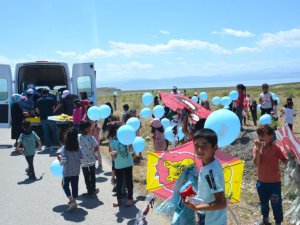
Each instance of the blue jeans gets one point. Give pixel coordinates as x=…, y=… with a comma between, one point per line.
x=74, y=184
x=50, y=127
x=270, y=192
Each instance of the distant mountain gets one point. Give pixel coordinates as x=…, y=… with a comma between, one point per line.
x=248, y=79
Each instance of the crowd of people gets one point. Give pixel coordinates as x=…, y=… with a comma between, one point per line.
x=80, y=147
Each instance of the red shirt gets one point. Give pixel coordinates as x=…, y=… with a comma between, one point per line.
x=268, y=169
x=240, y=100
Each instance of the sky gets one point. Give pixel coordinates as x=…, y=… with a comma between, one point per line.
x=130, y=40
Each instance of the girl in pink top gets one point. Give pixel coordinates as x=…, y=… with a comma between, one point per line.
x=77, y=114
x=158, y=135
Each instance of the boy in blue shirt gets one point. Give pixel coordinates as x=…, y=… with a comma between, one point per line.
x=28, y=140
x=211, y=185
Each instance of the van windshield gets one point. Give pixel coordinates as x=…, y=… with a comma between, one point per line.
x=53, y=77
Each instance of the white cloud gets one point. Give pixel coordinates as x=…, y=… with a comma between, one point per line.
x=288, y=39
x=130, y=49
x=5, y=60
x=245, y=49
x=236, y=33
x=165, y=32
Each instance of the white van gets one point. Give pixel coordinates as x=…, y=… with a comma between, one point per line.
x=53, y=75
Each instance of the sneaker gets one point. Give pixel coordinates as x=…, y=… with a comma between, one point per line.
x=100, y=167
x=72, y=205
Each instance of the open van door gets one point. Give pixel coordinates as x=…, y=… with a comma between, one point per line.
x=5, y=93
x=84, y=80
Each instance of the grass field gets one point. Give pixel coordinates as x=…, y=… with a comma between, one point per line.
x=247, y=210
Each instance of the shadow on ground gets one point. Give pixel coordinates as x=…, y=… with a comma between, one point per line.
x=77, y=215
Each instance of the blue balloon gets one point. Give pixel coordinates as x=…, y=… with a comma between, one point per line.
x=138, y=145
x=145, y=113
x=274, y=96
x=165, y=122
x=126, y=135
x=278, y=100
x=226, y=107
x=169, y=135
x=265, y=119
x=195, y=98
x=233, y=95
x=180, y=134
x=225, y=101
x=147, y=99
x=203, y=96
x=134, y=123
x=258, y=107
x=115, y=93
x=56, y=169
x=226, y=124
x=94, y=113
x=158, y=111
x=216, y=100
x=105, y=111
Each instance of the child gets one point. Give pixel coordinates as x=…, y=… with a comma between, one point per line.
x=115, y=102
x=106, y=121
x=211, y=184
x=123, y=163
x=71, y=155
x=158, y=135
x=265, y=99
x=28, y=140
x=89, y=146
x=239, y=103
x=266, y=156
x=126, y=113
x=289, y=113
x=253, y=110
x=77, y=113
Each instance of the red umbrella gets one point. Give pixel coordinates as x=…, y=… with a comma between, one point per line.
x=179, y=102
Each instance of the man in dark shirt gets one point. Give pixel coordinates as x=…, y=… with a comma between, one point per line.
x=45, y=106
x=66, y=103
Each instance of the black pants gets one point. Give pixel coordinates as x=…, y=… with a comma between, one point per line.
x=120, y=173
x=89, y=178
x=74, y=184
x=29, y=160
x=265, y=111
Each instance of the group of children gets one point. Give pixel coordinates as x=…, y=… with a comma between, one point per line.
x=79, y=151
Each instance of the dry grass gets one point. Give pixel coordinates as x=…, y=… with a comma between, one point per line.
x=247, y=210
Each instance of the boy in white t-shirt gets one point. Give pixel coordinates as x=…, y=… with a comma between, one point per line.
x=211, y=185
x=265, y=100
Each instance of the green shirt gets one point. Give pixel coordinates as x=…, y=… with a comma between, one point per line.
x=28, y=142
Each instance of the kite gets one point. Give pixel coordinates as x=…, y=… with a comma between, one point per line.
x=179, y=102
x=165, y=167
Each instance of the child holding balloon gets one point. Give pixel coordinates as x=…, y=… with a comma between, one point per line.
x=28, y=140
x=267, y=156
x=89, y=146
x=70, y=158
x=122, y=165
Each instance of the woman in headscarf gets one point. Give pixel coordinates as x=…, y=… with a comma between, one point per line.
x=16, y=116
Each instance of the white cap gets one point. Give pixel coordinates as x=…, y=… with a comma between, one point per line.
x=65, y=93
x=30, y=91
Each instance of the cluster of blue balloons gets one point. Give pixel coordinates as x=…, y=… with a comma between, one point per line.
x=171, y=137
x=96, y=113
x=226, y=124
x=56, y=169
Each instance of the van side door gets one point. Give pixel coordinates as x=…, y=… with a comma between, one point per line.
x=84, y=80
x=5, y=94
